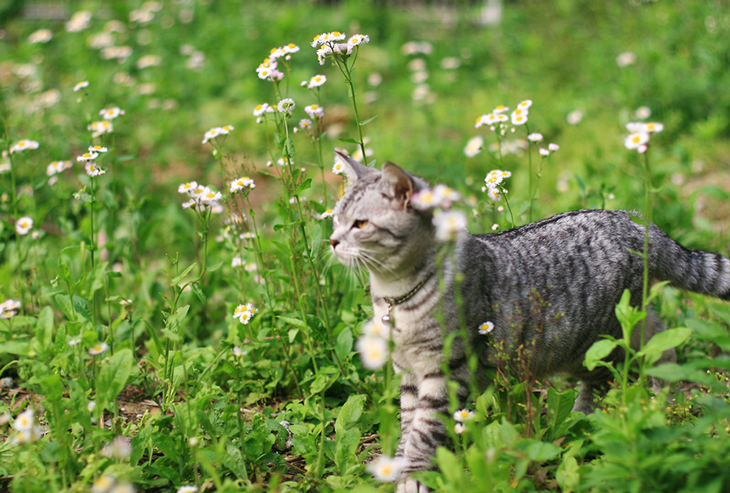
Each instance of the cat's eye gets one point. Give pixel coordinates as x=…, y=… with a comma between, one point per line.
x=360, y=223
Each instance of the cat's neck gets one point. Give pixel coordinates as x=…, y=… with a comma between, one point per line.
x=390, y=285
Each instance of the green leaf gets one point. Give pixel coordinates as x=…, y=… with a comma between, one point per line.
x=63, y=304
x=293, y=335
x=346, y=443
x=598, y=351
x=82, y=307
x=296, y=322
x=662, y=341
x=540, y=451
x=214, y=267
x=176, y=280
x=21, y=348
x=113, y=377
x=44, y=328
x=349, y=141
x=233, y=460
x=289, y=148
x=672, y=372
x=559, y=405
x=304, y=185
x=450, y=467
x=343, y=346
x=350, y=412
x=362, y=124
x=279, y=227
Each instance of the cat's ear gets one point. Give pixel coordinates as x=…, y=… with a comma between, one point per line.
x=352, y=169
x=400, y=184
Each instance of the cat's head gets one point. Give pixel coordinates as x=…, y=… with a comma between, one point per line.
x=374, y=225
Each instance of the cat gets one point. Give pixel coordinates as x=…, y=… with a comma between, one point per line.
x=578, y=263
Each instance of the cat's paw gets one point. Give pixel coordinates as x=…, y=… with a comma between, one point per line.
x=410, y=485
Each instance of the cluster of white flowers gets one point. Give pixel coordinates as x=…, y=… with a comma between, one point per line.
x=9, y=308
x=493, y=184
x=244, y=313
x=498, y=116
x=450, y=225
x=58, y=166
x=28, y=431
x=242, y=183
x=202, y=198
x=23, y=145
x=441, y=196
x=216, y=132
x=100, y=128
x=334, y=44
x=148, y=61
x=550, y=149
x=316, y=81
x=639, y=135
x=267, y=70
x=107, y=483
x=373, y=344
x=416, y=47
x=40, y=36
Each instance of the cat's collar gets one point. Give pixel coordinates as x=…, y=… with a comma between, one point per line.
x=392, y=302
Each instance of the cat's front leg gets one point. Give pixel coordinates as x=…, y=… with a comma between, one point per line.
x=427, y=432
x=408, y=406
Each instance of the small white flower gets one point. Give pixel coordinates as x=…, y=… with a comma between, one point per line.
x=553, y=147
x=652, y=127
x=626, y=58
x=338, y=167
x=87, y=156
x=23, y=145
x=316, y=81
x=525, y=105
x=474, y=146
x=519, y=118
x=500, y=109
x=314, y=111
x=24, y=421
x=445, y=196
x=286, y=105
x=40, y=36
x=424, y=200
x=544, y=152
x=23, y=225
x=450, y=226
x=187, y=187
x=327, y=213
x=100, y=128
x=211, y=134
x=93, y=169
x=376, y=328
x=486, y=328
x=386, y=468
x=111, y=113
x=236, y=262
x=238, y=352
x=104, y=484
x=574, y=117
x=634, y=140
x=463, y=415
x=357, y=40
x=187, y=489
x=459, y=428
x=642, y=113
x=97, y=149
x=373, y=351
x=74, y=341
x=495, y=194
x=81, y=85
x=260, y=109
x=535, y=137
x=100, y=348
x=6, y=167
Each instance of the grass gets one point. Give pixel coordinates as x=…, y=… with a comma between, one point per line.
x=198, y=397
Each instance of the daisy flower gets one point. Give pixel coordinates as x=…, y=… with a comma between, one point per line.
x=290, y=48
x=450, y=226
x=495, y=194
x=236, y=262
x=87, y=156
x=375, y=328
x=642, y=113
x=81, y=85
x=574, y=117
x=305, y=123
x=322, y=54
x=463, y=415
x=424, y=200
x=210, y=196
x=386, y=469
x=238, y=352
x=102, y=347
x=357, y=40
x=495, y=177
x=316, y=81
x=518, y=119
x=23, y=145
x=500, y=109
x=245, y=317
x=187, y=489
x=652, y=127
x=338, y=167
x=250, y=267
x=40, y=36
x=474, y=146
x=286, y=105
x=242, y=183
x=459, y=428
x=100, y=128
x=525, y=105
x=553, y=147
x=225, y=130
x=211, y=134
x=634, y=140
x=97, y=149
x=23, y=225
x=111, y=113
x=373, y=351
x=9, y=308
x=103, y=484
x=544, y=152
x=187, y=187
x=445, y=196
x=93, y=169
x=314, y=111
x=260, y=109
x=24, y=421
x=53, y=168
x=148, y=61
x=535, y=137
x=327, y=213
x=626, y=58
x=486, y=328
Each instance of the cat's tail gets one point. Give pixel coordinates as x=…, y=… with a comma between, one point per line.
x=693, y=270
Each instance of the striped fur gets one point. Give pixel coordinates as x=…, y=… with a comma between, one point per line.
x=577, y=263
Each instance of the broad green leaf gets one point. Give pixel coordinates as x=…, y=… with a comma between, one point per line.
x=44, y=328
x=540, y=451
x=362, y=124
x=63, y=303
x=350, y=412
x=346, y=443
x=296, y=322
x=115, y=372
x=233, y=460
x=176, y=280
x=343, y=346
x=81, y=305
x=304, y=186
x=662, y=341
x=598, y=351
x=348, y=140
x=21, y=348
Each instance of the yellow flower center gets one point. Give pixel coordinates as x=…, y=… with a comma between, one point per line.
x=273, y=50
x=386, y=470
x=314, y=106
x=292, y=45
x=336, y=33
x=316, y=37
x=636, y=139
x=259, y=107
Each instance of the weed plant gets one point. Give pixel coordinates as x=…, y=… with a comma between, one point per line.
x=171, y=317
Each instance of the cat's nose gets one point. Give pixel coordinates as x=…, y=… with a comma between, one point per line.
x=334, y=243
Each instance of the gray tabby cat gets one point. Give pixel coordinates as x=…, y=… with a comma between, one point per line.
x=578, y=262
